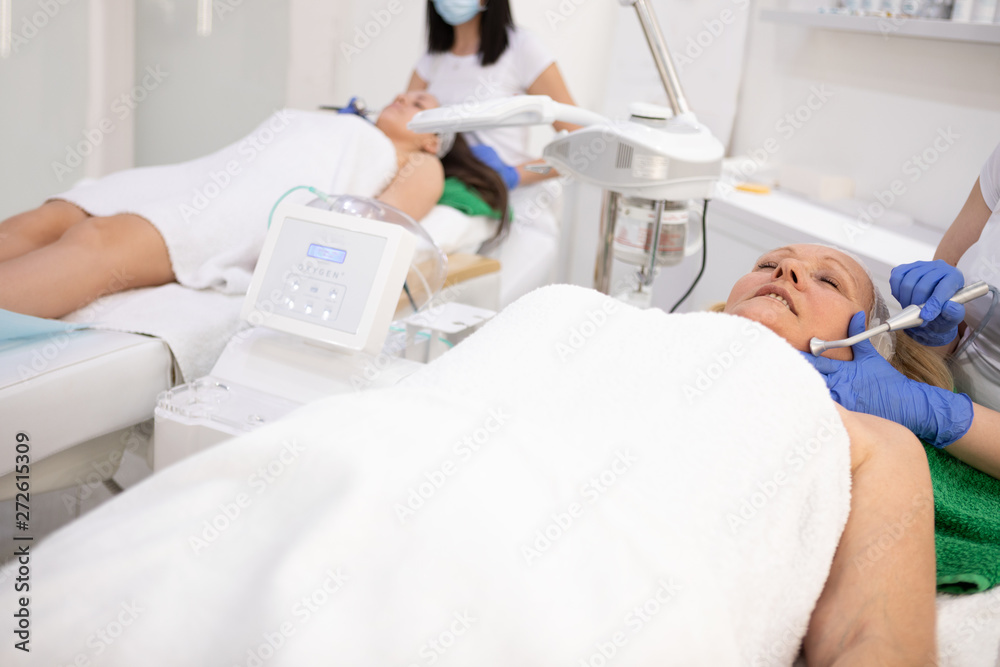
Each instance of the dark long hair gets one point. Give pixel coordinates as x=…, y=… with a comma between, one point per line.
x=462, y=164
x=495, y=20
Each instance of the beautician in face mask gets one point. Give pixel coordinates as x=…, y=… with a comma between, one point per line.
x=474, y=54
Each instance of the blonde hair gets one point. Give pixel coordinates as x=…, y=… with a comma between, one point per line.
x=910, y=358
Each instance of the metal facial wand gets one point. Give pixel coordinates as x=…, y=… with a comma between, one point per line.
x=909, y=317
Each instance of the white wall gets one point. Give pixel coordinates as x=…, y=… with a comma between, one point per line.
x=94, y=86
x=43, y=83
x=890, y=98
x=213, y=89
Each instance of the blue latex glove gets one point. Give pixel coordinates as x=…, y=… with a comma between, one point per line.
x=353, y=108
x=489, y=157
x=871, y=385
x=931, y=284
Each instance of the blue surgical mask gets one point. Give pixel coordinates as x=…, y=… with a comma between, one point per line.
x=457, y=12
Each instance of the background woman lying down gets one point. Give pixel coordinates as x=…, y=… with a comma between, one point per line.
x=549, y=492
x=203, y=222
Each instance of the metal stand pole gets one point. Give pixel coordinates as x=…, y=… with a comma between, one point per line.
x=654, y=244
x=605, y=253
x=661, y=56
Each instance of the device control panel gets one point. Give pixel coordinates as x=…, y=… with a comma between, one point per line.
x=329, y=275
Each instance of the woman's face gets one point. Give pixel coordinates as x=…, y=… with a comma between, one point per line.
x=801, y=291
x=393, y=119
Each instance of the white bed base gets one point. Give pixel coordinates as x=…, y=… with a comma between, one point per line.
x=77, y=391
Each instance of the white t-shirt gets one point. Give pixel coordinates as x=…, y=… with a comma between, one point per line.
x=462, y=80
x=982, y=262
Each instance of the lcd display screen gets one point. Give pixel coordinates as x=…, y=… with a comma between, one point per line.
x=327, y=254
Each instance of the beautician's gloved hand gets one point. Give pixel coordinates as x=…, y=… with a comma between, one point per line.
x=871, y=385
x=931, y=284
x=356, y=106
x=489, y=157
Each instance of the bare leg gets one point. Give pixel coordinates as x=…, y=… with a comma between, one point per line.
x=878, y=604
x=94, y=257
x=31, y=230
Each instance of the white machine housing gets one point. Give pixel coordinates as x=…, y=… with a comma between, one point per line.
x=654, y=156
x=321, y=300
x=329, y=277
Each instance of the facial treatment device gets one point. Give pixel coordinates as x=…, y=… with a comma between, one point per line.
x=329, y=277
x=649, y=166
x=325, y=289
x=909, y=317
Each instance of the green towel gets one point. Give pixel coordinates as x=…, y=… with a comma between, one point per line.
x=460, y=196
x=966, y=525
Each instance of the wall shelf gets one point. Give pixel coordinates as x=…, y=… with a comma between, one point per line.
x=988, y=33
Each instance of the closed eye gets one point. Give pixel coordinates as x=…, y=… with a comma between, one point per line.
x=831, y=281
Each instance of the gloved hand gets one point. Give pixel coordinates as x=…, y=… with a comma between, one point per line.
x=932, y=284
x=489, y=157
x=356, y=106
x=871, y=385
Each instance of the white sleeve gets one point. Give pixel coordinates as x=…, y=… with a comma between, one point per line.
x=424, y=68
x=531, y=56
x=989, y=179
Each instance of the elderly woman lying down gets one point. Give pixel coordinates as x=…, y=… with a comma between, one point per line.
x=203, y=222
x=578, y=483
